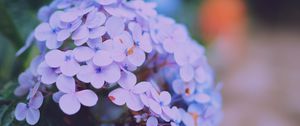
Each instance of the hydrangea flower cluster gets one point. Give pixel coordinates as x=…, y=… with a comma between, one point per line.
x=147, y=60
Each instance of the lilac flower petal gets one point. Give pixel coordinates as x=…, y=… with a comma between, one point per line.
x=48, y=74
x=133, y=102
x=21, y=91
x=180, y=58
x=118, y=55
x=54, y=20
x=57, y=95
x=106, y=2
x=63, y=35
x=97, y=81
x=112, y=73
x=200, y=75
x=80, y=42
x=83, y=53
x=87, y=97
x=187, y=73
x=65, y=84
x=152, y=121
x=114, y=26
x=20, y=112
x=154, y=94
x=145, y=43
x=202, y=98
x=54, y=58
x=127, y=80
x=97, y=32
x=52, y=43
x=178, y=86
x=32, y=116
x=95, y=19
x=135, y=29
x=81, y=33
x=165, y=97
x=144, y=98
x=70, y=68
x=25, y=79
x=154, y=106
x=137, y=58
x=42, y=32
x=69, y=104
x=102, y=58
x=68, y=16
x=168, y=111
x=124, y=39
x=188, y=120
x=85, y=73
x=44, y=13
x=117, y=96
x=120, y=11
x=141, y=87
x=36, y=101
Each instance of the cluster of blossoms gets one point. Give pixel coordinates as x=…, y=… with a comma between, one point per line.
x=150, y=63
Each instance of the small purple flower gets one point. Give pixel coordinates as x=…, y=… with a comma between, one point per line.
x=30, y=111
x=159, y=103
x=71, y=101
x=129, y=93
x=65, y=61
x=97, y=75
x=48, y=74
x=50, y=32
x=152, y=121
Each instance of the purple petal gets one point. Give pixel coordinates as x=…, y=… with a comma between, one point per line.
x=49, y=75
x=187, y=73
x=135, y=29
x=178, y=86
x=106, y=2
x=54, y=20
x=152, y=121
x=68, y=16
x=97, y=32
x=83, y=53
x=20, y=112
x=120, y=11
x=95, y=19
x=87, y=97
x=97, y=81
x=137, y=58
x=145, y=43
x=117, y=96
x=65, y=84
x=165, y=97
x=200, y=75
x=63, y=35
x=85, y=73
x=36, y=101
x=180, y=57
x=52, y=43
x=144, y=98
x=114, y=26
x=154, y=106
x=133, y=102
x=70, y=68
x=81, y=33
x=25, y=79
x=80, y=42
x=112, y=73
x=141, y=87
x=102, y=58
x=69, y=104
x=57, y=95
x=42, y=32
x=127, y=80
x=202, y=98
x=54, y=58
x=21, y=91
x=32, y=116
x=124, y=39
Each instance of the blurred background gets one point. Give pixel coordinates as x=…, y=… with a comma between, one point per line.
x=254, y=45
